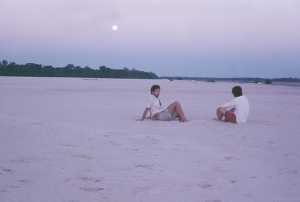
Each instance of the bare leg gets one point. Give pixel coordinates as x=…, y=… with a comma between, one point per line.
x=176, y=106
x=220, y=113
x=177, y=116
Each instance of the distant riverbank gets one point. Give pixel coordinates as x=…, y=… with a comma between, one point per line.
x=285, y=84
x=274, y=83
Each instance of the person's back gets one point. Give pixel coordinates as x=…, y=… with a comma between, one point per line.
x=235, y=111
x=241, y=109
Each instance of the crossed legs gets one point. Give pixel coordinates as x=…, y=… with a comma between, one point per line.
x=175, y=107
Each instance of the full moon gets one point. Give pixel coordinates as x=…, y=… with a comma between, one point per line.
x=115, y=27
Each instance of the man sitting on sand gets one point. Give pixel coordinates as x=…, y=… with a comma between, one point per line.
x=157, y=112
x=238, y=108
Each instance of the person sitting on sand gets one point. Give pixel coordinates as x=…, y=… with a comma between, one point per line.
x=157, y=112
x=238, y=108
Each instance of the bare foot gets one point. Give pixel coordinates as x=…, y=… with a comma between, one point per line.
x=182, y=121
x=218, y=120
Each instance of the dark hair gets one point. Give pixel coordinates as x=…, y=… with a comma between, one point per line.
x=154, y=87
x=237, y=91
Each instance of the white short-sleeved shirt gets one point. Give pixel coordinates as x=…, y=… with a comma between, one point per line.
x=153, y=105
x=241, y=106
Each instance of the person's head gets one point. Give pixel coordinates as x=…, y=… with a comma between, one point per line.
x=155, y=89
x=237, y=91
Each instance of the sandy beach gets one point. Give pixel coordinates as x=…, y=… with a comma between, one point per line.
x=75, y=140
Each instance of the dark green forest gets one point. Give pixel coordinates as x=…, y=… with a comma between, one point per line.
x=38, y=70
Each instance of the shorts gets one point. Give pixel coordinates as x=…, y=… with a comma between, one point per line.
x=230, y=117
x=164, y=116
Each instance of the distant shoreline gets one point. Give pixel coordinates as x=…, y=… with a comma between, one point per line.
x=239, y=80
x=274, y=83
x=296, y=84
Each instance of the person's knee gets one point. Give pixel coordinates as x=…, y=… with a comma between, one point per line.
x=176, y=103
x=220, y=110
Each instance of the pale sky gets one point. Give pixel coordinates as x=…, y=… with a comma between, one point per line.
x=195, y=38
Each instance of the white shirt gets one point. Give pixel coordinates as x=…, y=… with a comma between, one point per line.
x=241, y=108
x=153, y=104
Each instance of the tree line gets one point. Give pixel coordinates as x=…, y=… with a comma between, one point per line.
x=38, y=70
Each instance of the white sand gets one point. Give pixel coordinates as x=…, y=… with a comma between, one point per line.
x=70, y=139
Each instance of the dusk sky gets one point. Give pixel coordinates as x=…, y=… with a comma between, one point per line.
x=195, y=38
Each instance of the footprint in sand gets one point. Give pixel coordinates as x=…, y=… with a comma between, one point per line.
x=294, y=171
x=83, y=156
x=150, y=140
x=35, y=123
x=229, y=158
x=187, y=187
x=68, y=145
x=115, y=144
x=25, y=181
x=157, y=190
x=25, y=160
x=220, y=170
x=150, y=167
x=246, y=193
x=140, y=189
x=233, y=181
x=132, y=149
x=89, y=179
x=204, y=185
x=91, y=189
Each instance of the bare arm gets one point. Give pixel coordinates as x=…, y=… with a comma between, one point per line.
x=144, y=115
x=230, y=104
